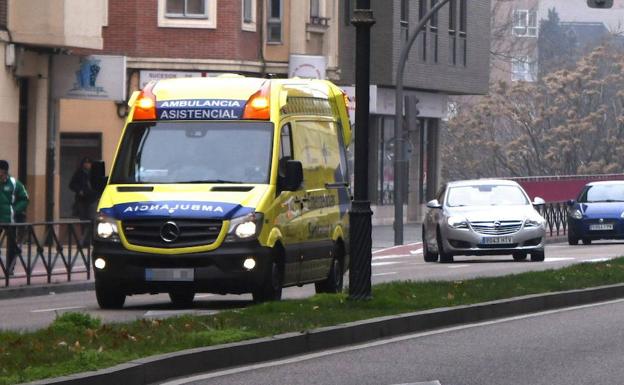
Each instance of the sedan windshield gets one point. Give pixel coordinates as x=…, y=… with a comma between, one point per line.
x=195, y=152
x=486, y=195
x=603, y=193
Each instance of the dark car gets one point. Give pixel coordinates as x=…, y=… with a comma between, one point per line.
x=598, y=213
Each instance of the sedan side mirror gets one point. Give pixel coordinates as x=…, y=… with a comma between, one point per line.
x=537, y=201
x=571, y=202
x=434, y=204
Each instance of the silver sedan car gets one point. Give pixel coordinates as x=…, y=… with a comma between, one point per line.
x=483, y=217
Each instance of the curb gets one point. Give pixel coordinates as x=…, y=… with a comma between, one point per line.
x=53, y=288
x=188, y=362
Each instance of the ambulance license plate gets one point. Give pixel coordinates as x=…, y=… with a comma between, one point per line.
x=178, y=275
x=601, y=226
x=496, y=240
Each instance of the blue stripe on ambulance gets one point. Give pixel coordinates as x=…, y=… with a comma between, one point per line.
x=177, y=209
x=200, y=109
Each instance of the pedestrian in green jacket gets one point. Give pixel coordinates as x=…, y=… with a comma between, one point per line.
x=13, y=203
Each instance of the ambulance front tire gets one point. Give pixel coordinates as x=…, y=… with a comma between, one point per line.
x=271, y=287
x=109, y=296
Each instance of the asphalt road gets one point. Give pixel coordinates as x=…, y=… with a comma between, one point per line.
x=403, y=263
x=572, y=346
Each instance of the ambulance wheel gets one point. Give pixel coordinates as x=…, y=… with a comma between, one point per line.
x=109, y=296
x=334, y=281
x=182, y=298
x=271, y=288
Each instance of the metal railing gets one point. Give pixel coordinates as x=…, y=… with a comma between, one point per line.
x=36, y=252
x=556, y=215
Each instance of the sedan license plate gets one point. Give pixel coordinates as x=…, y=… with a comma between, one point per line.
x=179, y=275
x=601, y=226
x=496, y=240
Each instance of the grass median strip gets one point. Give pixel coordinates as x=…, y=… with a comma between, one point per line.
x=76, y=342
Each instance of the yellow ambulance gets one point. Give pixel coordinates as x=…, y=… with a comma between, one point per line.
x=226, y=185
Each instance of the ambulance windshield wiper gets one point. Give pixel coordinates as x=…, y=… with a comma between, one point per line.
x=213, y=181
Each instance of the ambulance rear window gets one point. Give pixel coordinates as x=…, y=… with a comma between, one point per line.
x=195, y=152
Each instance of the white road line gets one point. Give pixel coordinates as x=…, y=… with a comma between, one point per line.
x=423, y=383
x=417, y=251
x=391, y=257
x=457, y=266
x=388, y=273
x=396, y=247
x=559, y=259
x=599, y=260
x=204, y=295
x=384, y=263
x=311, y=356
x=168, y=313
x=56, y=309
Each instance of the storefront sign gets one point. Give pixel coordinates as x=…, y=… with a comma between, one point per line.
x=147, y=76
x=98, y=77
x=307, y=66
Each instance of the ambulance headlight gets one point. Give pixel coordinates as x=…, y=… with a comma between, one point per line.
x=106, y=228
x=245, y=227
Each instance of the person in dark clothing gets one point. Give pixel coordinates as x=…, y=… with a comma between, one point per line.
x=85, y=196
x=13, y=203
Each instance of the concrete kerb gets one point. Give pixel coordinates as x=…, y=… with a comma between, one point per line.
x=188, y=362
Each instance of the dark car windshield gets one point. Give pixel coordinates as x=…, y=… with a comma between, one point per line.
x=603, y=193
x=486, y=195
x=195, y=152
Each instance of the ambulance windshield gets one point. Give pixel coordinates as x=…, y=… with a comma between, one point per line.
x=195, y=152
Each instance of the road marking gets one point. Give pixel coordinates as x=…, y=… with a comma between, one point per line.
x=204, y=295
x=169, y=313
x=396, y=247
x=457, y=266
x=559, y=259
x=388, y=273
x=57, y=309
x=599, y=260
x=417, y=251
x=311, y=356
x=384, y=263
x=423, y=383
x=391, y=257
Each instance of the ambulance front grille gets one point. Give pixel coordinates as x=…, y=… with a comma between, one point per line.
x=171, y=233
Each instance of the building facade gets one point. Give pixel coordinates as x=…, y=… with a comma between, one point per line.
x=32, y=32
x=450, y=57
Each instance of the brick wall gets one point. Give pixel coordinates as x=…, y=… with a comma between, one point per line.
x=133, y=31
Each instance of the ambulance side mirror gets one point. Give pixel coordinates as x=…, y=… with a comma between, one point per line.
x=98, y=178
x=294, y=175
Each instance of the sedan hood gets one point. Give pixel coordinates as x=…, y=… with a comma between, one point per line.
x=494, y=213
x=602, y=209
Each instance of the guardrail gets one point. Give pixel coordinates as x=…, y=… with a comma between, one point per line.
x=556, y=215
x=36, y=252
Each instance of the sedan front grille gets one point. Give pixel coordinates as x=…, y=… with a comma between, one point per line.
x=496, y=228
x=190, y=232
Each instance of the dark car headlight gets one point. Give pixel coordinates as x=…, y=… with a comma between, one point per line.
x=576, y=214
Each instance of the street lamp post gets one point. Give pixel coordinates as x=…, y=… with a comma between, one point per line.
x=360, y=215
x=400, y=163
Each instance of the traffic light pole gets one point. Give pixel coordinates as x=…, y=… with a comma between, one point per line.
x=360, y=215
x=400, y=162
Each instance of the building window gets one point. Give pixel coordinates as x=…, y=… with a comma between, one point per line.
x=422, y=11
x=274, y=21
x=452, y=29
x=523, y=69
x=186, y=8
x=404, y=13
x=249, y=15
x=433, y=28
x=525, y=23
x=187, y=13
x=462, y=47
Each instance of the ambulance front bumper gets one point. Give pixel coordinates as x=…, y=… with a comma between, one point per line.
x=218, y=271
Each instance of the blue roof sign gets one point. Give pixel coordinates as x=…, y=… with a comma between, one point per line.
x=200, y=109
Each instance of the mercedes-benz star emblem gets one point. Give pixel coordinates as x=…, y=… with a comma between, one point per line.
x=169, y=232
x=497, y=224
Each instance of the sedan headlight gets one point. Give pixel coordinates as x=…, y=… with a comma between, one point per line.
x=622, y=215
x=534, y=223
x=576, y=214
x=457, y=222
x=106, y=228
x=245, y=227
